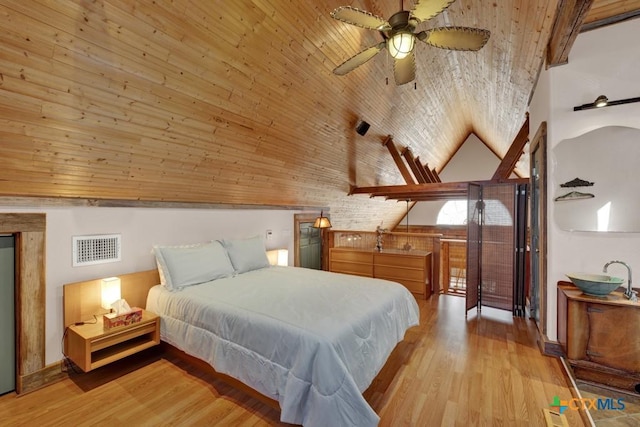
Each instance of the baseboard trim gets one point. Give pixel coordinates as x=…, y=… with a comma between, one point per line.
x=548, y=347
x=48, y=375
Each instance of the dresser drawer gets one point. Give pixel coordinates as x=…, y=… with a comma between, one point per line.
x=352, y=268
x=397, y=273
x=348, y=255
x=415, y=287
x=400, y=260
x=413, y=270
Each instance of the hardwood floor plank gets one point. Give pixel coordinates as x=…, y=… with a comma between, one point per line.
x=485, y=370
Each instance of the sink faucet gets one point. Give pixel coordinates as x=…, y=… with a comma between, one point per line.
x=629, y=293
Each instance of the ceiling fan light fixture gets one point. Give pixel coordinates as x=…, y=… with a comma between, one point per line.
x=401, y=44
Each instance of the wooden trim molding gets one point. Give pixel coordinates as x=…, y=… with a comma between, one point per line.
x=43, y=377
x=121, y=203
x=29, y=230
x=539, y=143
x=548, y=347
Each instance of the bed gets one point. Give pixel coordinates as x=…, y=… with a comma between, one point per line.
x=311, y=340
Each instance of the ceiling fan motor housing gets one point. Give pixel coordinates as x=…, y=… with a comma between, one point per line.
x=400, y=21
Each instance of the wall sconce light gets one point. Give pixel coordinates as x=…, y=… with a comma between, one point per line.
x=110, y=292
x=603, y=101
x=278, y=257
x=322, y=222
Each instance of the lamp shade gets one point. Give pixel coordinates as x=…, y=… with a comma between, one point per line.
x=401, y=44
x=278, y=257
x=110, y=291
x=322, y=222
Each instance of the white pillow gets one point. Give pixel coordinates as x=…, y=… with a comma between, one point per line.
x=186, y=265
x=247, y=254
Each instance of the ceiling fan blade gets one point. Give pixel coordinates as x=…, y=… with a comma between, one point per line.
x=359, y=18
x=358, y=59
x=426, y=9
x=455, y=38
x=404, y=70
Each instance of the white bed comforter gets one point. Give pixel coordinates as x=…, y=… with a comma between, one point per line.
x=311, y=340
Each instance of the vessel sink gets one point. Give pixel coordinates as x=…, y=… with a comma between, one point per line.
x=597, y=285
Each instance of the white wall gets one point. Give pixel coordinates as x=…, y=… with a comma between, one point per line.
x=473, y=161
x=141, y=228
x=602, y=62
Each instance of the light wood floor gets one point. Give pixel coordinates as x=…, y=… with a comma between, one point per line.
x=482, y=371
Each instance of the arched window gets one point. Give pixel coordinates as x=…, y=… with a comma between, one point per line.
x=454, y=212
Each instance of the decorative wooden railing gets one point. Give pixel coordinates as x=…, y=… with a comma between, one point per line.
x=453, y=258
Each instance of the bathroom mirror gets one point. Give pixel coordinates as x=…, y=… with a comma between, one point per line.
x=596, y=181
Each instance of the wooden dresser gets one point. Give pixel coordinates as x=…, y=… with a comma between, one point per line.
x=410, y=268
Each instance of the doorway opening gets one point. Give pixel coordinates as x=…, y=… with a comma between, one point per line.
x=308, y=243
x=7, y=314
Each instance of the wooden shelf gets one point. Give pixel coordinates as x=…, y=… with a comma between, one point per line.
x=89, y=346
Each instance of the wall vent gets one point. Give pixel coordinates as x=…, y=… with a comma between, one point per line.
x=96, y=249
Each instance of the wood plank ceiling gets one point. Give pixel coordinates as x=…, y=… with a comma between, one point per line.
x=235, y=103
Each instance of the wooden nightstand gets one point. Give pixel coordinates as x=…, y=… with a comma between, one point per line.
x=89, y=346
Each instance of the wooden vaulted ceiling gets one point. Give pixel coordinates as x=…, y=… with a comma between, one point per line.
x=235, y=103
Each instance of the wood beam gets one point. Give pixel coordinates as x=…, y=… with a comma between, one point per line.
x=435, y=174
x=428, y=191
x=416, y=191
x=424, y=169
x=509, y=161
x=408, y=178
x=414, y=166
x=569, y=17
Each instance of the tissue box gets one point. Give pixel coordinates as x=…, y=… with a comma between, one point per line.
x=112, y=320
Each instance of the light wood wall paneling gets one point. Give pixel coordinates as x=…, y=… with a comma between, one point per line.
x=236, y=102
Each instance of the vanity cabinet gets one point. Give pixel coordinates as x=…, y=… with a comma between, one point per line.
x=409, y=268
x=600, y=337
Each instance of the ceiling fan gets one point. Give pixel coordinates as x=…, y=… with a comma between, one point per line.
x=399, y=36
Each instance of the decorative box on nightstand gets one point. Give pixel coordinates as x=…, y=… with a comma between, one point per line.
x=90, y=346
